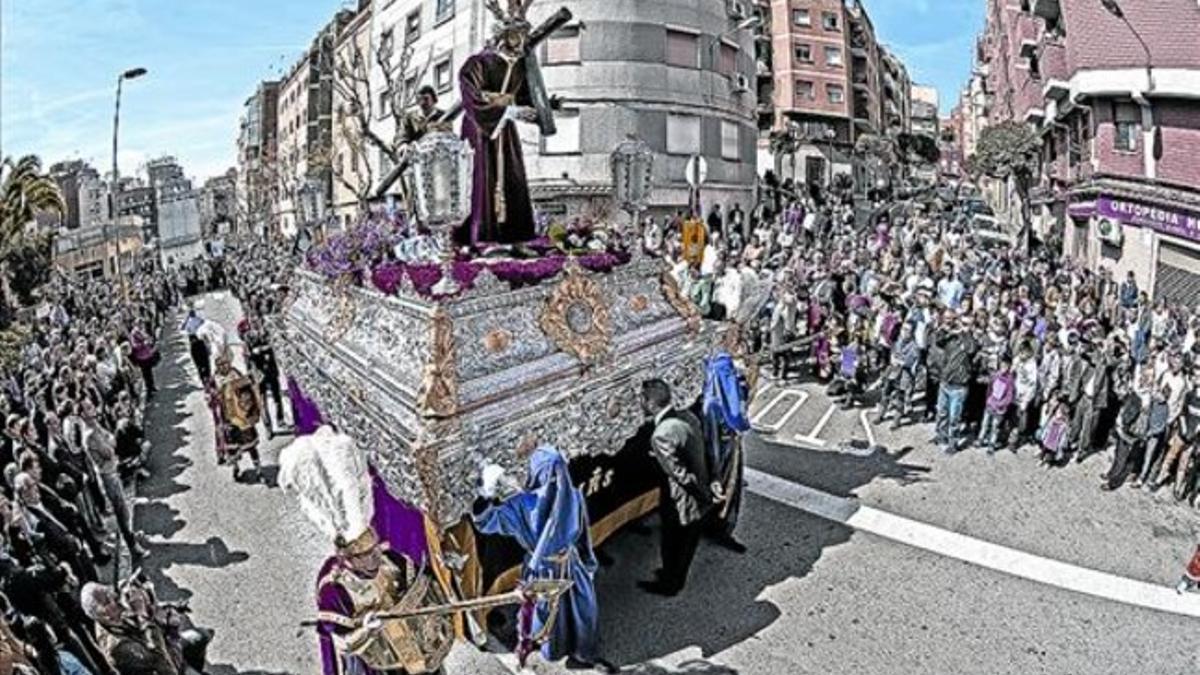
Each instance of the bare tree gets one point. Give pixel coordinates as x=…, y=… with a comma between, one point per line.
x=358, y=106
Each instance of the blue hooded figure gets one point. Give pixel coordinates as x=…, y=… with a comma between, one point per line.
x=725, y=420
x=549, y=520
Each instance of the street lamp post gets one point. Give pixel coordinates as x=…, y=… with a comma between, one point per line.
x=112, y=186
x=1114, y=7
x=831, y=136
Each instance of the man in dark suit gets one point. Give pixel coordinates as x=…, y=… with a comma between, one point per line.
x=678, y=445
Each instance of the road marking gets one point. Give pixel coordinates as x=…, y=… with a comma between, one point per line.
x=977, y=552
x=862, y=417
x=801, y=397
x=814, y=436
x=763, y=410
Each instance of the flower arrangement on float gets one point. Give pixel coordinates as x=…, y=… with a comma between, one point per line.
x=384, y=250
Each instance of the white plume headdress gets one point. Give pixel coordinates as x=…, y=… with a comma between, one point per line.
x=328, y=474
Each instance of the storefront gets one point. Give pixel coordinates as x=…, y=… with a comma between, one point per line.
x=1158, y=243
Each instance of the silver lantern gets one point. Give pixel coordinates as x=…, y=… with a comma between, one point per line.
x=440, y=171
x=632, y=164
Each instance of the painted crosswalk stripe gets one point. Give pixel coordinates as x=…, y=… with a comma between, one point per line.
x=801, y=397
x=814, y=436
x=866, y=425
x=968, y=549
x=767, y=408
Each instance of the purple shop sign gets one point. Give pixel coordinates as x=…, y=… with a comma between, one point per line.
x=1168, y=221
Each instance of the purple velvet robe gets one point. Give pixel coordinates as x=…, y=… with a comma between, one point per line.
x=499, y=159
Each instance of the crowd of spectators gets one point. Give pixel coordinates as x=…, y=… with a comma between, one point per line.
x=73, y=452
x=905, y=308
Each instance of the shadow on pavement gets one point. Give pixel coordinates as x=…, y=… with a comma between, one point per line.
x=724, y=604
x=166, y=429
x=834, y=470
x=696, y=667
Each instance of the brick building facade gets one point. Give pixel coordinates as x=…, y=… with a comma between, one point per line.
x=1115, y=93
x=831, y=83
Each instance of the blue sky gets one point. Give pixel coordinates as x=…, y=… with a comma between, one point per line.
x=59, y=60
x=936, y=39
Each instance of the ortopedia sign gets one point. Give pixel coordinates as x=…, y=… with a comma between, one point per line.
x=1168, y=221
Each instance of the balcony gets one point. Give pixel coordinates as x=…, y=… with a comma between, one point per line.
x=1049, y=10
x=1056, y=90
x=859, y=81
x=1029, y=48
x=1034, y=115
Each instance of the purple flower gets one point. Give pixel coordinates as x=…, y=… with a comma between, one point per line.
x=387, y=276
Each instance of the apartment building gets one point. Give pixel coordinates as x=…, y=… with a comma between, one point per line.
x=257, y=146
x=304, y=132
x=1114, y=89
x=218, y=203
x=85, y=194
x=678, y=73
x=833, y=82
x=815, y=92
x=925, y=110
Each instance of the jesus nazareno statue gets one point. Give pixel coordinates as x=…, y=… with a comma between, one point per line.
x=502, y=85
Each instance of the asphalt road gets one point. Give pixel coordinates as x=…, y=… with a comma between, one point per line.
x=812, y=595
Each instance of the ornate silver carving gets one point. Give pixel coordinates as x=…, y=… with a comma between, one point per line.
x=512, y=380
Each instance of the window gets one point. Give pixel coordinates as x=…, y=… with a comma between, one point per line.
x=804, y=90
x=829, y=20
x=1127, y=125
x=802, y=17
x=833, y=56
x=682, y=49
x=727, y=62
x=412, y=27
x=385, y=103
x=410, y=87
x=729, y=140
x=442, y=79
x=444, y=10
x=683, y=134
x=1035, y=68
x=566, y=140
x=563, y=46
x=385, y=162
x=804, y=53
x=835, y=93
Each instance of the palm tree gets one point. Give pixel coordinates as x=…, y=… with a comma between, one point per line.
x=24, y=191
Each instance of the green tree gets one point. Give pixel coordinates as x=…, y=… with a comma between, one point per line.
x=25, y=191
x=29, y=261
x=1011, y=151
x=920, y=148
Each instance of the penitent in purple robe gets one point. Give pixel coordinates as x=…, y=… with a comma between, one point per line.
x=400, y=526
x=333, y=598
x=508, y=220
